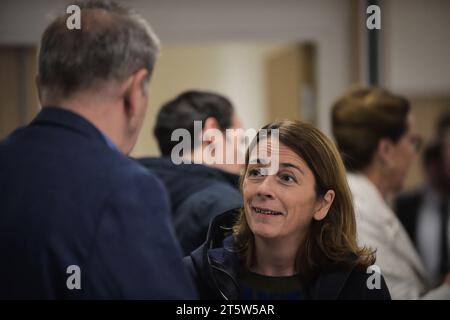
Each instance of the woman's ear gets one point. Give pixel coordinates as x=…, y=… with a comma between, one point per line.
x=324, y=205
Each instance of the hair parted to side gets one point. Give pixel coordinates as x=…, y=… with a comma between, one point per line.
x=330, y=242
x=187, y=107
x=112, y=44
x=364, y=116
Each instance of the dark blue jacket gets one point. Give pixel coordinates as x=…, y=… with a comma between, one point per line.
x=407, y=207
x=215, y=267
x=67, y=198
x=197, y=193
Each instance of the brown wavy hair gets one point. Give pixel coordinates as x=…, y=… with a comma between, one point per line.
x=331, y=242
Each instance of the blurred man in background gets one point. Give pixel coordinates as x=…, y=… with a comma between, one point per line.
x=78, y=219
x=375, y=132
x=424, y=212
x=444, y=141
x=198, y=190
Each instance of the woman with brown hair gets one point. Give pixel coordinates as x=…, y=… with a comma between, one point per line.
x=295, y=237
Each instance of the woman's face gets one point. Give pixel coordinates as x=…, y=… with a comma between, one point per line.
x=403, y=154
x=282, y=205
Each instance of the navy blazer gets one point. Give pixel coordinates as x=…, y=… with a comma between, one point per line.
x=68, y=198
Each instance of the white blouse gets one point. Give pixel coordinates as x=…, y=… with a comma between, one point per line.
x=379, y=228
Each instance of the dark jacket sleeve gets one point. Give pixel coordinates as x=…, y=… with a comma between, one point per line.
x=194, y=215
x=407, y=208
x=134, y=254
x=201, y=275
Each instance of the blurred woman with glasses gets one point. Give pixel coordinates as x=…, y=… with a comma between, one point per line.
x=376, y=133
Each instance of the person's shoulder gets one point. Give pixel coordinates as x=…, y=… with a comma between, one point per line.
x=128, y=180
x=126, y=171
x=410, y=196
x=121, y=173
x=219, y=190
x=214, y=199
x=408, y=200
x=365, y=284
x=138, y=196
x=407, y=206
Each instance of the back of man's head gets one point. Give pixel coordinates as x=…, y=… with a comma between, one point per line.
x=186, y=108
x=112, y=43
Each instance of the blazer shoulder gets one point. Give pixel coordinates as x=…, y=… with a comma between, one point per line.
x=128, y=170
x=365, y=285
x=130, y=184
x=216, y=198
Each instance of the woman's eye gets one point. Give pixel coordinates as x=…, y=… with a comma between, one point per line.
x=287, y=178
x=254, y=173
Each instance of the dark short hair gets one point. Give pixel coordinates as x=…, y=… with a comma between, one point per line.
x=364, y=116
x=112, y=43
x=432, y=154
x=186, y=108
x=443, y=124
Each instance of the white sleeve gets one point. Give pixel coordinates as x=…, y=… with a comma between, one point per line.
x=399, y=275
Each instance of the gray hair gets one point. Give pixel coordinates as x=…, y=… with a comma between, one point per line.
x=112, y=44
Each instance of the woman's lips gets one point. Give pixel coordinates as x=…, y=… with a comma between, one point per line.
x=266, y=211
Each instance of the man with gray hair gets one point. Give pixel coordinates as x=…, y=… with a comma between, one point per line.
x=78, y=218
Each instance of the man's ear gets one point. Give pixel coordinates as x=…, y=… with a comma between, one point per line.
x=134, y=92
x=37, y=82
x=324, y=205
x=210, y=123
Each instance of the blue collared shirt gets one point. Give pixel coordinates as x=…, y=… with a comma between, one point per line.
x=109, y=142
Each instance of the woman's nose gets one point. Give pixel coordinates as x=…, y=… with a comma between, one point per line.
x=265, y=188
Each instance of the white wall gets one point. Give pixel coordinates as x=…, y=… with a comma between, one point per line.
x=325, y=22
x=417, y=47
x=236, y=70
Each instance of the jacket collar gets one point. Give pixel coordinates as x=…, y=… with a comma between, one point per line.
x=220, y=255
x=225, y=265
x=59, y=117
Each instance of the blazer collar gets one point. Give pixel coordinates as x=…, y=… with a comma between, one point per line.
x=57, y=116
